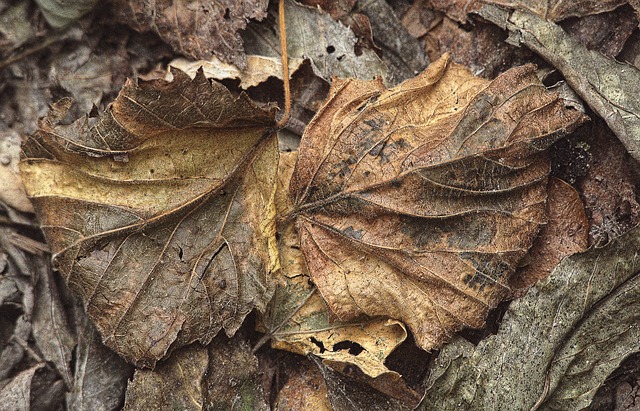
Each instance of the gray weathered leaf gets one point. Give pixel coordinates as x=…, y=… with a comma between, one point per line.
x=313, y=34
x=51, y=331
x=61, y=13
x=555, y=346
x=100, y=376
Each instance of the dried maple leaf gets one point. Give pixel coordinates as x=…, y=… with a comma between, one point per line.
x=417, y=202
x=161, y=215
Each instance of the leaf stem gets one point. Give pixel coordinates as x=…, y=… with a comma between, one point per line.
x=285, y=67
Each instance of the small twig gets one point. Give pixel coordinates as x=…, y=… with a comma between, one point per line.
x=285, y=67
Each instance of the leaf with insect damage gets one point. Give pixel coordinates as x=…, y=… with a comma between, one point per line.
x=161, y=213
x=417, y=202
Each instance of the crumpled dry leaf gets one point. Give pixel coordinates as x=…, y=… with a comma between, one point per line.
x=35, y=388
x=52, y=333
x=347, y=394
x=161, y=215
x=609, y=87
x=197, y=29
x=298, y=319
x=417, y=203
x=554, y=10
x=605, y=32
x=314, y=35
x=258, y=69
x=566, y=233
x=574, y=329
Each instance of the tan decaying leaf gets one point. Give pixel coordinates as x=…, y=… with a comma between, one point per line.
x=161, y=214
x=556, y=346
x=298, y=318
x=258, y=70
x=417, y=203
x=198, y=29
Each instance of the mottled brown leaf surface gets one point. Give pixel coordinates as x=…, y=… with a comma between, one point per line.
x=418, y=202
x=161, y=214
x=197, y=29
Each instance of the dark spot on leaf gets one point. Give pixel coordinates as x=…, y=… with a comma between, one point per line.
x=180, y=252
x=222, y=284
x=330, y=49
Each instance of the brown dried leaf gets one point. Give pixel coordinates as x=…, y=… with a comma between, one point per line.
x=566, y=233
x=12, y=190
x=314, y=35
x=161, y=215
x=304, y=390
x=197, y=29
x=417, y=202
x=233, y=379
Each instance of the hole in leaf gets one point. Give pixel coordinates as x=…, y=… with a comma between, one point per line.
x=319, y=344
x=353, y=347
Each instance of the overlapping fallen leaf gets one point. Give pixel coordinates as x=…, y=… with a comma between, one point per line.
x=607, y=85
x=161, y=215
x=574, y=329
x=418, y=202
x=298, y=319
